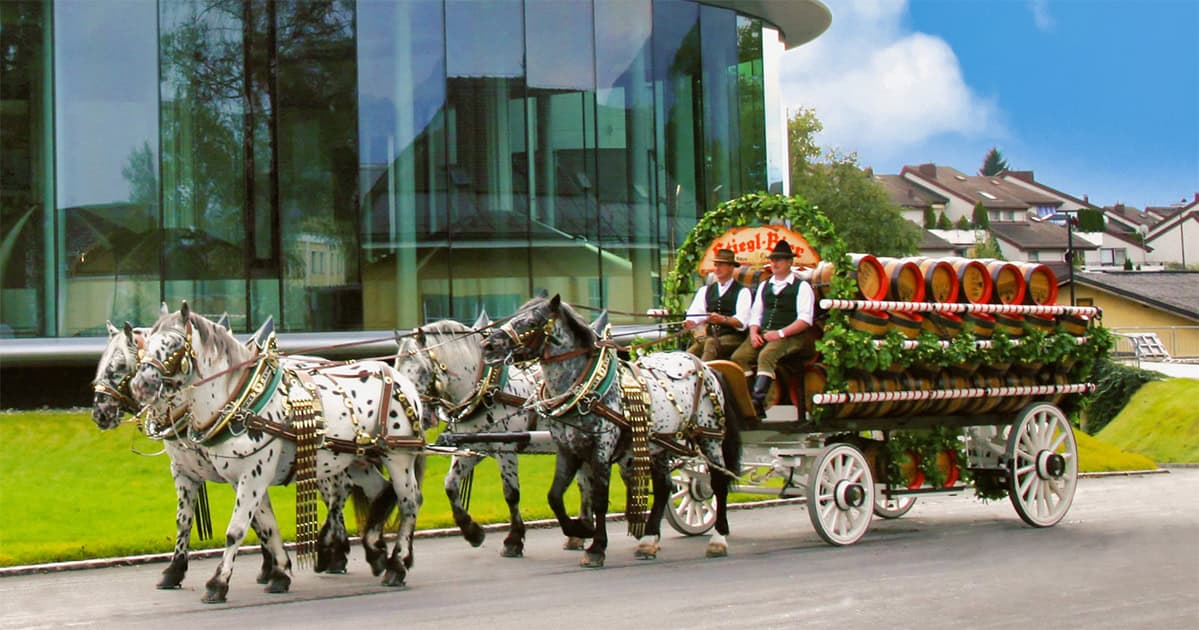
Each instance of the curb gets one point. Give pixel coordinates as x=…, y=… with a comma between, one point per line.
x=128, y=561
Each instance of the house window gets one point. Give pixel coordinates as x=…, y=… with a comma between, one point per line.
x=1034, y=256
x=1112, y=257
x=1084, y=301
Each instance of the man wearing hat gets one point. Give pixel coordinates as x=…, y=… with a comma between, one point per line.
x=781, y=315
x=724, y=307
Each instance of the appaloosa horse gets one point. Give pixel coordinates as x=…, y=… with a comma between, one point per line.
x=445, y=361
x=608, y=411
x=190, y=467
x=264, y=423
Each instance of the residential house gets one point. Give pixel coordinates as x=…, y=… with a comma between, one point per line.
x=1165, y=303
x=1175, y=237
x=1004, y=201
x=1037, y=241
x=1119, y=241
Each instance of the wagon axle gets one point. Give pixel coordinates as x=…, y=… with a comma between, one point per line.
x=1050, y=465
x=850, y=495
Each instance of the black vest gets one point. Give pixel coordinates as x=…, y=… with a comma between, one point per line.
x=779, y=310
x=725, y=305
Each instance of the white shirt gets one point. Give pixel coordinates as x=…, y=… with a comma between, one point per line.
x=805, y=300
x=698, y=311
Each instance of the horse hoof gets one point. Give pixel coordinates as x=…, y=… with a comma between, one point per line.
x=164, y=585
x=215, y=594
x=717, y=551
x=337, y=567
x=647, y=551
x=279, y=584
x=474, y=534
x=573, y=543
x=513, y=551
x=592, y=560
x=393, y=579
x=264, y=576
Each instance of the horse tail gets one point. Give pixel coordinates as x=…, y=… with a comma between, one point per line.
x=733, y=420
x=379, y=510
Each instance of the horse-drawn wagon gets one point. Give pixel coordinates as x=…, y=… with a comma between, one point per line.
x=933, y=376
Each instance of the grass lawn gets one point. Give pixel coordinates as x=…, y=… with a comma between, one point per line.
x=1160, y=421
x=69, y=491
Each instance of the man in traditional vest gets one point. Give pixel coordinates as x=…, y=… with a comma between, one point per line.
x=724, y=307
x=778, y=322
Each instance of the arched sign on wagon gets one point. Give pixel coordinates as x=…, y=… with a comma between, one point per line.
x=752, y=246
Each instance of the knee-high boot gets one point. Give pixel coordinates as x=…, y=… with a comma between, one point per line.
x=761, y=387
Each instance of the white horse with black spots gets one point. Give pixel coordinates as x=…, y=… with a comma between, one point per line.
x=191, y=467
x=445, y=361
x=242, y=405
x=586, y=388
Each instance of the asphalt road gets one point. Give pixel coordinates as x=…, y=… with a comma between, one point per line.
x=1126, y=556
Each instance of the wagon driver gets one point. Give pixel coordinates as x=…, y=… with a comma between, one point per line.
x=722, y=308
x=778, y=322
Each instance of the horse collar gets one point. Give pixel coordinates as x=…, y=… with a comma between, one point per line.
x=591, y=386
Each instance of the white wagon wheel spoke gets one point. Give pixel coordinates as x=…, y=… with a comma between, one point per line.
x=692, y=508
x=840, y=494
x=1043, y=460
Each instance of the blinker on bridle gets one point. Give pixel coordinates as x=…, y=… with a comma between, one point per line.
x=532, y=340
x=180, y=361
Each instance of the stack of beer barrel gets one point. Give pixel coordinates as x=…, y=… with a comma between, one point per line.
x=945, y=281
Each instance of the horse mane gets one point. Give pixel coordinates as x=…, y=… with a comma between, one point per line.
x=215, y=338
x=442, y=334
x=576, y=324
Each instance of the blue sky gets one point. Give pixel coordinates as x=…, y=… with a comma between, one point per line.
x=1097, y=97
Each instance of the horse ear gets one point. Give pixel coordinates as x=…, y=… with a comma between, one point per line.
x=541, y=293
x=163, y=311
x=128, y=330
x=223, y=322
x=482, y=320
x=601, y=326
x=112, y=330
x=264, y=331
x=185, y=311
x=556, y=302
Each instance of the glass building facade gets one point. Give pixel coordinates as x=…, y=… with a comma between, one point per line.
x=356, y=165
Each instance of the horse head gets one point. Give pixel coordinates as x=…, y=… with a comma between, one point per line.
x=444, y=361
x=112, y=394
x=539, y=329
x=177, y=344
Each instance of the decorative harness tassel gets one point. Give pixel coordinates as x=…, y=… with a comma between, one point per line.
x=306, y=421
x=634, y=400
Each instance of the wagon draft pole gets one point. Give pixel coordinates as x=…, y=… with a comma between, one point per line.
x=931, y=375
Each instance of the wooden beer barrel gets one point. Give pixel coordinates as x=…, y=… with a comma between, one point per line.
x=941, y=282
x=1010, y=323
x=814, y=379
x=905, y=281
x=1043, y=323
x=1008, y=282
x=974, y=279
x=1074, y=324
x=943, y=325
x=981, y=324
x=1040, y=283
x=872, y=322
x=750, y=275
x=870, y=276
x=908, y=324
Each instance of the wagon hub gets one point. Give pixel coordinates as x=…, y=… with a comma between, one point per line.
x=1050, y=465
x=700, y=488
x=849, y=495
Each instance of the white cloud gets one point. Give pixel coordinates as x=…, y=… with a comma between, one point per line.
x=1040, y=15
x=881, y=90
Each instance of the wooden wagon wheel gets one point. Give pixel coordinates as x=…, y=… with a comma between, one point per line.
x=692, y=509
x=892, y=507
x=1043, y=465
x=841, y=494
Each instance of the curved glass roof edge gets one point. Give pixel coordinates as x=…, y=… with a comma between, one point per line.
x=799, y=21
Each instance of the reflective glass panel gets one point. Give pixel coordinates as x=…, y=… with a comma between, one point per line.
x=106, y=127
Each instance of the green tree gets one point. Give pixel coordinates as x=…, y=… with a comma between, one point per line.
x=857, y=205
x=993, y=163
x=980, y=218
x=930, y=218
x=1090, y=220
x=943, y=222
x=963, y=223
x=988, y=248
